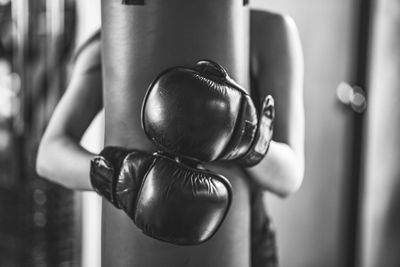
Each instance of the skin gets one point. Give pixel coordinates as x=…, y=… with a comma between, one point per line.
x=277, y=64
x=273, y=57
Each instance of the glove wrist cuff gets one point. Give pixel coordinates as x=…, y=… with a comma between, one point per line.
x=103, y=172
x=102, y=182
x=263, y=137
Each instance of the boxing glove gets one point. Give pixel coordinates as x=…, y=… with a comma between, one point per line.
x=201, y=113
x=180, y=203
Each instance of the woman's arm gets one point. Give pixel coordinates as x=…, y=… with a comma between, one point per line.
x=60, y=158
x=279, y=71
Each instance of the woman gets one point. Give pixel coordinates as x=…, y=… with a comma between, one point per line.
x=260, y=50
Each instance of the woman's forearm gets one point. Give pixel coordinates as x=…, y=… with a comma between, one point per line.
x=63, y=161
x=281, y=171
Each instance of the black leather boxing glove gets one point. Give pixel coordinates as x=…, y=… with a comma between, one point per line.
x=201, y=113
x=168, y=200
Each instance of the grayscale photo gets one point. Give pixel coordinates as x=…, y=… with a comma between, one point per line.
x=199, y=133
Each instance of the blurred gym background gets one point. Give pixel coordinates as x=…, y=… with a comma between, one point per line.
x=347, y=212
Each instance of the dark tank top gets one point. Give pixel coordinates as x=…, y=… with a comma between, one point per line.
x=263, y=240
